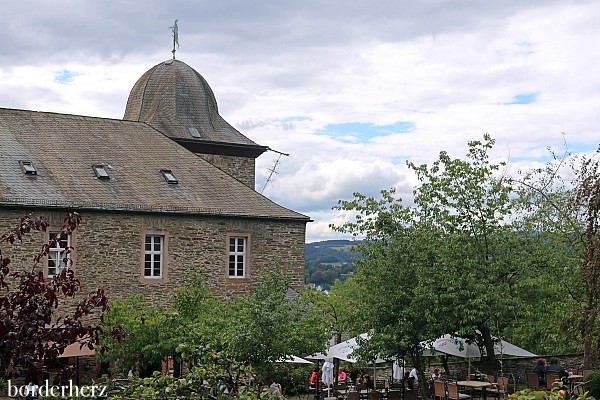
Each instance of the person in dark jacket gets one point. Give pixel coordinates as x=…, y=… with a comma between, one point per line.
x=555, y=368
x=540, y=370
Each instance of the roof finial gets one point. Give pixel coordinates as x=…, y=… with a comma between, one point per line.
x=175, y=31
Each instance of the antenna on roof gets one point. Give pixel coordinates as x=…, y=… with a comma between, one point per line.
x=175, y=32
x=273, y=167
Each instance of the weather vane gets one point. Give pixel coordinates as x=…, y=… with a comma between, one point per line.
x=175, y=31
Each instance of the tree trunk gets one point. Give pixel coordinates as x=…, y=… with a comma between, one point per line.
x=488, y=343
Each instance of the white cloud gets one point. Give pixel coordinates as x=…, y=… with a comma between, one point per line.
x=446, y=67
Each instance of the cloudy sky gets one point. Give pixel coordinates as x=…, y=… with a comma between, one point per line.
x=350, y=89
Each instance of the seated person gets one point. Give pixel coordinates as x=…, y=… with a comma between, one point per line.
x=342, y=376
x=366, y=379
x=314, y=377
x=540, y=370
x=436, y=375
x=555, y=368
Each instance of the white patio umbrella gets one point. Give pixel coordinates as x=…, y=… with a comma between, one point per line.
x=459, y=347
x=453, y=346
x=398, y=370
x=294, y=359
x=502, y=347
x=327, y=374
x=344, y=350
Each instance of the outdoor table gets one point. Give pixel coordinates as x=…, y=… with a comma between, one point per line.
x=572, y=378
x=364, y=393
x=475, y=385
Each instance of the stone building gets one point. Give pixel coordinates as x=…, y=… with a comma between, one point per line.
x=167, y=189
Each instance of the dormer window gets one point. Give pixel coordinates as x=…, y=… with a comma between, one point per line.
x=168, y=175
x=100, y=171
x=194, y=132
x=28, y=168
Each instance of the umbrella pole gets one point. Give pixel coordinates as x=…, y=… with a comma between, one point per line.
x=469, y=375
x=318, y=385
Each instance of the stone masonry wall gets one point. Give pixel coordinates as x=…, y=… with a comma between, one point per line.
x=514, y=368
x=109, y=250
x=241, y=168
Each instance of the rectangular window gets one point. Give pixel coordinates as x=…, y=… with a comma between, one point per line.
x=100, y=171
x=153, y=256
x=28, y=168
x=237, y=257
x=169, y=176
x=58, y=259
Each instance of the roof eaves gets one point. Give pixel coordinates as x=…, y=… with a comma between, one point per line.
x=7, y=201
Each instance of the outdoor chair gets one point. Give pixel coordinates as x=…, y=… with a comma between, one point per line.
x=578, y=389
x=380, y=384
x=550, y=381
x=533, y=381
x=586, y=372
x=394, y=395
x=412, y=394
x=353, y=396
x=396, y=384
x=501, y=387
x=340, y=390
x=309, y=390
x=374, y=395
x=493, y=391
x=453, y=393
x=439, y=390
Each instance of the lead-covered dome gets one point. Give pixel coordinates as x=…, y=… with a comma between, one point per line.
x=176, y=100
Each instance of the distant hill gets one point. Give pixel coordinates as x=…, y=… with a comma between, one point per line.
x=327, y=261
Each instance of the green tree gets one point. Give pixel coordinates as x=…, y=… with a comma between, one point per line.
x=562, y=202
x=146, y=330
x=227, y=339
x=271, y=324
x=448, y=263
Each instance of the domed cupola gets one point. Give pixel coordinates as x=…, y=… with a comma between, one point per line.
x=176, y=100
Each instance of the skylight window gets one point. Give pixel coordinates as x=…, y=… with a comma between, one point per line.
x=194, y=132
x=28, y=168
x=169, y=177
x=100, y=171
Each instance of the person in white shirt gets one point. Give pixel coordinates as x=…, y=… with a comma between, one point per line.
x=413, y=374
x=273, y=387
x=412, y=378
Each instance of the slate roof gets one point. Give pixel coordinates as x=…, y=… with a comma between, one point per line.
x=63, y=148
x=174, y=98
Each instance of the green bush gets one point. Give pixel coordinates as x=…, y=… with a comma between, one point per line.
x=592, y=384
x=528, y=394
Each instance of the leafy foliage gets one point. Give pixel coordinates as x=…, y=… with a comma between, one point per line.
x=592, y=384
x=562, y=202
x=145, y=325
x=457, y=260
x=223, y=340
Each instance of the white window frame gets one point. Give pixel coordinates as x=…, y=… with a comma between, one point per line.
x=55, y=256
x=152, y=252
x=233, y=256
